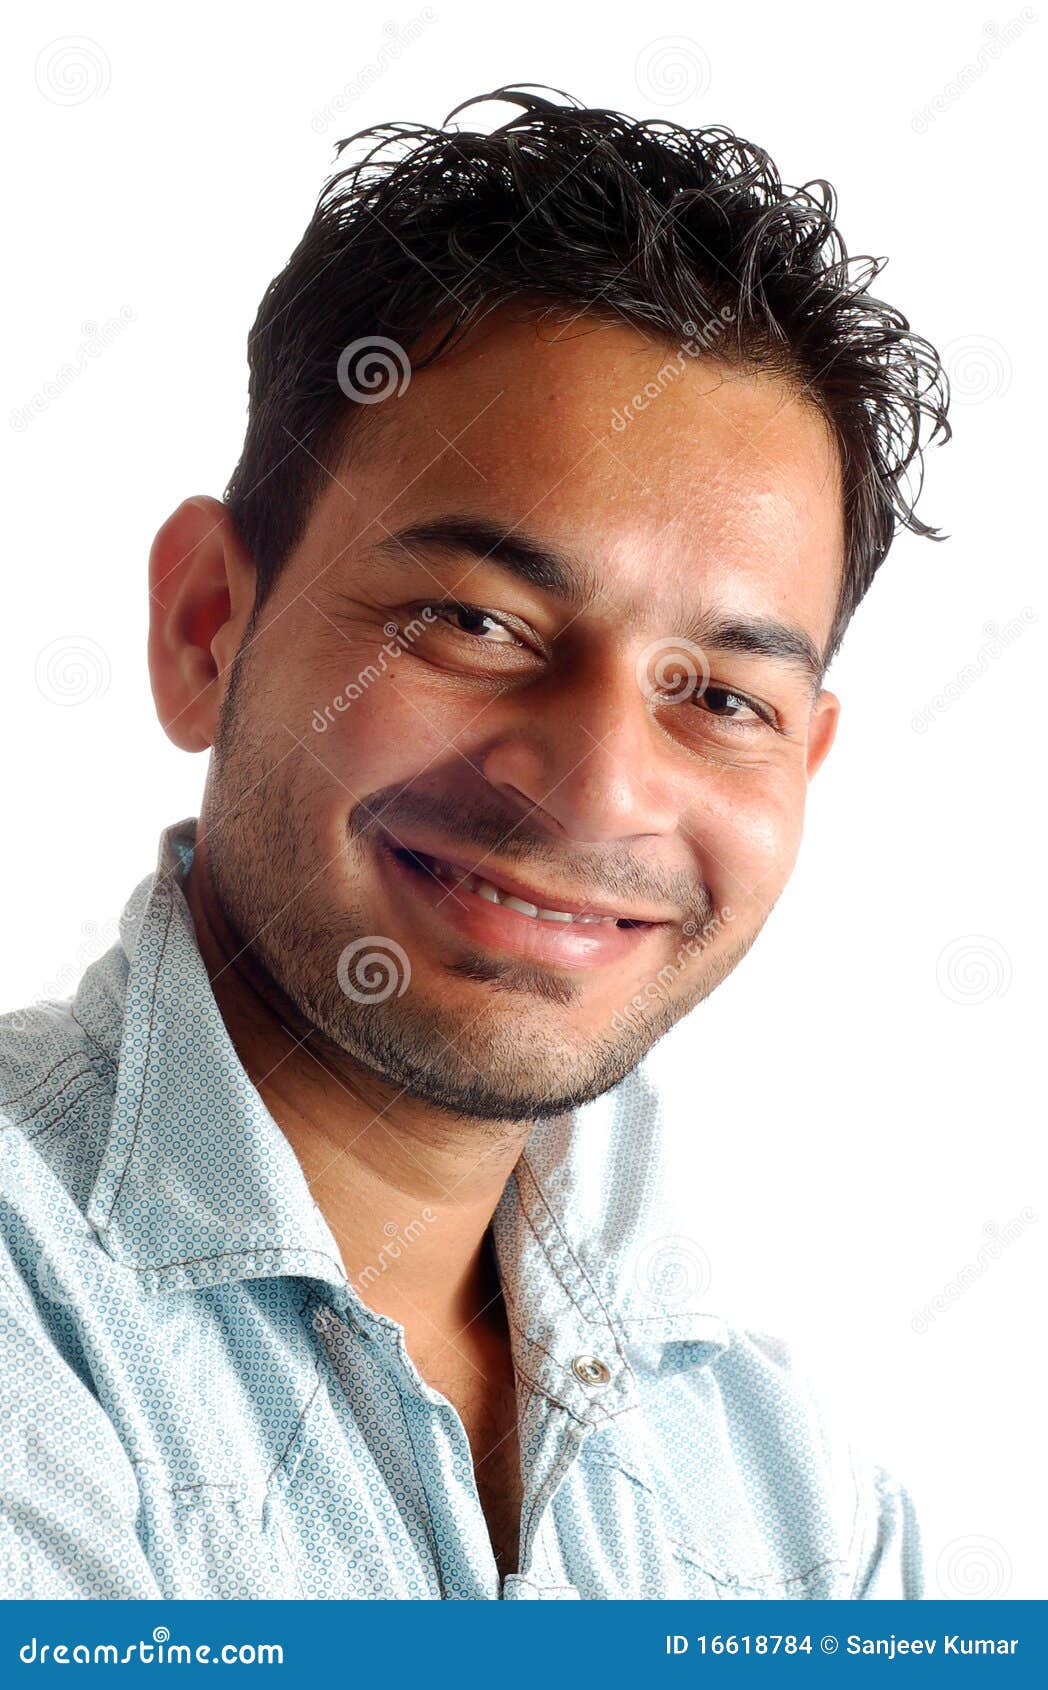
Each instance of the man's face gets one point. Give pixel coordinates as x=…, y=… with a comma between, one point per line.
x=616, y=730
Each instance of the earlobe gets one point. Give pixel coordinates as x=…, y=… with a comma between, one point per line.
x=201, y=591
x=822, y=730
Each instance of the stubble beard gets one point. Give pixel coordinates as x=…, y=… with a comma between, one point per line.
x=268, y=876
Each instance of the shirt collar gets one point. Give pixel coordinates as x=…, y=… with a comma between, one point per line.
x=198, y=1185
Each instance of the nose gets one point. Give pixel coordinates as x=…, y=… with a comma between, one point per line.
x=585, y=756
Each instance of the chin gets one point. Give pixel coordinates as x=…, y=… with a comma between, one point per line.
x=486, y=1060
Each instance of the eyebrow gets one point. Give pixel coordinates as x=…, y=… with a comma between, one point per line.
x=567, y=578
x=577, y=584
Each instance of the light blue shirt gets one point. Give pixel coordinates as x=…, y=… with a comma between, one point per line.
x=196, y=1402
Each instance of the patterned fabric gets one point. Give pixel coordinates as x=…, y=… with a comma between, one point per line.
x=197, y=1403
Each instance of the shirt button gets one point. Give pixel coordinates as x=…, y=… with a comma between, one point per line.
x=591, y=1370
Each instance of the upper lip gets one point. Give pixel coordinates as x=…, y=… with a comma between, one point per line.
x=544, y=900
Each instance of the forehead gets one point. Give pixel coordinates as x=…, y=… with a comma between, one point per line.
x=683, y=482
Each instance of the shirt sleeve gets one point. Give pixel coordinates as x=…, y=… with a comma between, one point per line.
x=68, y=1493
x=891, y=1562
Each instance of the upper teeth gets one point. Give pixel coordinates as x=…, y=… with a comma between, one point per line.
x=483, y=888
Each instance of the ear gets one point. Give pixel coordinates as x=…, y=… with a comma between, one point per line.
x=201, y=593
x=822, y=730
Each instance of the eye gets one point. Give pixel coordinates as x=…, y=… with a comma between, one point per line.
x=478, y=624
x=729, y=706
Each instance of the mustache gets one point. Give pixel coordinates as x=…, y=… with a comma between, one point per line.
x=523, y=842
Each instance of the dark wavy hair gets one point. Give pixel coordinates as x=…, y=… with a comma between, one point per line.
x=663, y=226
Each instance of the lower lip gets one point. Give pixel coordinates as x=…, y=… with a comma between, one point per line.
x=507, y=930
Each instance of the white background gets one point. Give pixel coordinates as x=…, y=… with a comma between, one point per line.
x=862, y=1092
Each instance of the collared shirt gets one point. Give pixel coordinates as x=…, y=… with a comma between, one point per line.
x=197, y=1402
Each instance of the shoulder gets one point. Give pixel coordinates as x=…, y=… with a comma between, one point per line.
x=750, y=1424
x=768, y=1375
x=56, y=1101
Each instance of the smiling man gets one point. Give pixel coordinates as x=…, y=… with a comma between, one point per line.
x=332, y=1196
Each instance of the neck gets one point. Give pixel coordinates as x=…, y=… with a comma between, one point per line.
x=407, y=1191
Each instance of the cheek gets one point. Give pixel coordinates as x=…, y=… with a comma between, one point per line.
x=376, y=726
x=747, y=831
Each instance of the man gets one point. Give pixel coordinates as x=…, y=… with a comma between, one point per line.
x=333, y=1266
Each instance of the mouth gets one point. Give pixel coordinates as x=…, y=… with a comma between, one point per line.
x=504, y=914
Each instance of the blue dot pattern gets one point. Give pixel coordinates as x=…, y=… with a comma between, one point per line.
x=197, y=1402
